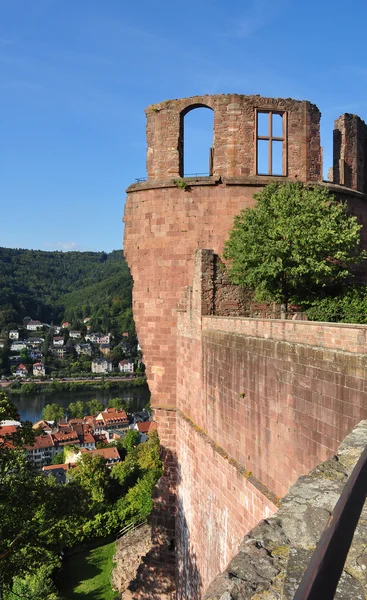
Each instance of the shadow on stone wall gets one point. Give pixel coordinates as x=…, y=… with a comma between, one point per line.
x=157, y=577
x=189, y=580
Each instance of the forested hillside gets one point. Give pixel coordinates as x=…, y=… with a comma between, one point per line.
x=56, y=286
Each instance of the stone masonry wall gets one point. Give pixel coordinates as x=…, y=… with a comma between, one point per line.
x=234, y=139
x=350, y=152
x=274, y=555
x=164, y=227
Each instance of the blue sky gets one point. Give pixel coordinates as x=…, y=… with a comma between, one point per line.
x=76, y=75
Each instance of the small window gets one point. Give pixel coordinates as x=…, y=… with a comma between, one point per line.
x=271, y=143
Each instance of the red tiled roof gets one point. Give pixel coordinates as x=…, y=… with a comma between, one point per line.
x=42, y=441
x=75, y=422
x=43, y=424
x=107, y=453
x=88, y=438
x=111, y=415
x=6, y=443
x=65, y=438
x=65, y=466
x=147, y=426
x=8, y=429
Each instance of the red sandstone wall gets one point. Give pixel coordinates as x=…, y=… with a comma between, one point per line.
x=164, y=226
x=234, y=135
x=265, y=397
x=217, y=505
x=163, y=229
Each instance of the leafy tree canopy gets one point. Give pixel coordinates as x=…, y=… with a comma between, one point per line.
x=59, y=458
x=55, y=286
x=117, y=403
x=295, y=243
x=25, y=434
x=131, y=439
x=94, y=407
x=76, y=410
x=92, y=475
x=53, y=412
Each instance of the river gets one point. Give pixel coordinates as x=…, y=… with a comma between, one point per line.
x=30, y=406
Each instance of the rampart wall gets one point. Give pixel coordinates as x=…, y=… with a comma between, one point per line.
x=259, y=403
x=243, y=407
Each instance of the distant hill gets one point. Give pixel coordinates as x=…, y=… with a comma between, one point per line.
x=56, y=286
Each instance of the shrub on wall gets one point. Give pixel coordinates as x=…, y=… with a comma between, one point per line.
x=294, y=244
x=348, y=307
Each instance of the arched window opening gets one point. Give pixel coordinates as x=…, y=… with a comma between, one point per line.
x=196, y=152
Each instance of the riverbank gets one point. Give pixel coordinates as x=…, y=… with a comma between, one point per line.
x=30, y=406
x=74, y=386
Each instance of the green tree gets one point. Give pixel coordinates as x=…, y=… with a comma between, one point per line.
x=127, y=472
x=35, y=586
x=53, y=412
x=35, y=511
x=94, y=407
x=131, y=439
x=137, y=504
x=25, y=358
x=117, y=403
x=117, y=355
x=92, y=475
x=297, y=242
x=75, y=410
x=59, y=458
x=38, y=517
x=25, y=434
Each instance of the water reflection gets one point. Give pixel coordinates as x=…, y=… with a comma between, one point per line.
x=30, y=406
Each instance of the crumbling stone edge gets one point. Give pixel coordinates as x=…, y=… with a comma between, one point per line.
x=274, y=555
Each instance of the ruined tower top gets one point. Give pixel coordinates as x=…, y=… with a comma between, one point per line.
x=253, y=137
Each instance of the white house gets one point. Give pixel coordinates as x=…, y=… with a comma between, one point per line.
x=75, y=334
x=36, y=342
x=83, y=349
x=99, y=338
x=126, y=366
x=58, y=341
x=21, y=371
x=14, y=334
x=34, y=325
x=101, y=365
x=17, y=346
x=39, y=369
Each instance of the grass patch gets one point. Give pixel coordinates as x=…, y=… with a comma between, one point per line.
x=87, y=575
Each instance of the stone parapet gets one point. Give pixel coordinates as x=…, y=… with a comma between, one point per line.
x=274, y=555
x=337, y=336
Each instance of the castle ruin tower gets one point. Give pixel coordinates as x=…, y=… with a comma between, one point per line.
x=255, y=141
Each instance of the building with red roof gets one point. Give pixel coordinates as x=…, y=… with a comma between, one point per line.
x=113, y=419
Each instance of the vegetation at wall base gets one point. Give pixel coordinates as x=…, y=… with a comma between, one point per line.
x=296, y=245
x=41, y=518
x=88, y=574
